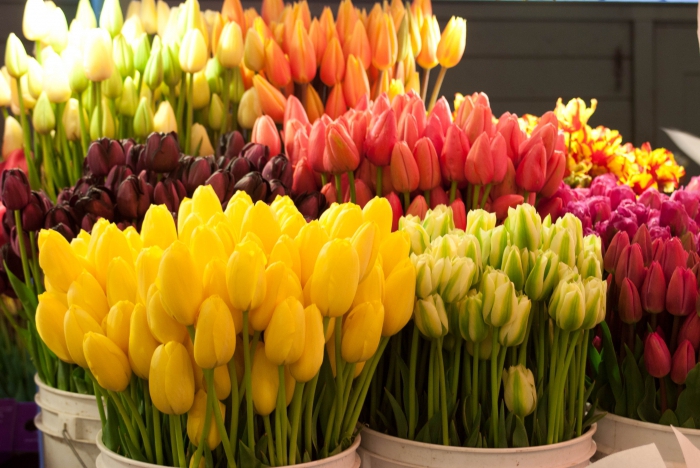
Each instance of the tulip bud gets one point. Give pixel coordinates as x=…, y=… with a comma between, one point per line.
x=471, y=319
x=181, y=288
x=285, y=334
x=245, y=276
x=682, y=292
x=309, y=363
x=43, y=118
x=215, y=338
x=513, y=332
x=97, y=55
x=524, y=225
x=229, y=51
x=142, y=345
x=653, y=297
x=362, y=331
x=16, y=59
x=430, y=317
x=171, y=379
x=265, y=379
x=430, y=38
x=567, y=305
x=337, y=259
x=683, y=361
x=657, y=358
x=57, y=260
x=671, y=256
x=50, y=315
x=630, y=265
x=77, y=324
x=107, y=362
x=302, y=57
x=195, y=421
x=163, y=327
x=121, y=281
x=15, y=191
x=452, y=43
x=498, y=298
x=519, y=390
x=193, y=52
x=614, y=250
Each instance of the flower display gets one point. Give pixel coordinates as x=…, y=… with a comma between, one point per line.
x=211, y=314
x=487, y=299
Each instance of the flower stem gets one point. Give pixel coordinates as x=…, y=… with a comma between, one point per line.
x=98, y=107
x=474, y=398
x=34, y=176
x=296, y=419
x=190, y=111
x=487, y=190
x=280, y=426
x=351, y=179
x=443, y=394
x=426, y=195
x=23, y=249
x=424, y=86
x=218, y=418
x=436, y=88
x=338, y=189
x=406, y=201
x=157, y=433
x=453, y=191
x=582, y=384
x=125, y=417
x=339, y=368
x=380, y=180
x=308, y=416
x=177, y=427
x=411, y=410
x=248, y=384
x=270, y=443
x=139, y=422
x=227, y=97
x=494, y=386
x=235, y=405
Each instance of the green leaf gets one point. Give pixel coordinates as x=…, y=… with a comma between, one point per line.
x=110, y=434
x=134, y=450
x=248, y=458
x=520, y=434
x=473, y=440
x=669, y=418
x=690, y=424
x=634, y=384
x=399, y=416
x=594, y=358
x=502, y=441
x=647, y=410
x=454, y=437
x=591, y=418
x=24, y=293
x=610, y=363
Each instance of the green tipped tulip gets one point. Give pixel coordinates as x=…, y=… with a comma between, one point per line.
x=513, y=332
x=500, y=239
x=568, y=305
x=519, y=390
x=438, y=222
x=596, y=291
x=430, y=317
x=543, y=277
x=524, y=226
x=478, y=220
x=499, y=298
x=471, y=318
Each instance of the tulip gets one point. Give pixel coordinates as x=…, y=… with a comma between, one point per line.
x=86, y=293
x=332, y=63
x=383, y=42
x=356, y=83
x=683, y=361
x=309, y=363
x=630, y=265
x=342, y=221
x=193, y=52
x=430, y=317
x=567, y=305
x=361, y=332
x=163, y=327
x=229, y=51
x=142, y=344
x=265, y=378
x=471, y=319
x=519, y=390
x=245, y=276
x=428, y=164
x=653, y=297
x=16, y=59
x=454, y=161
x=181, y=288
x=614, y=250
x=498, y=298
x=196, y=418
x=530, y=173
x=438, y=222
x=171, y=379
x=682, y=293
x=97, y=55
x=302, y=58
x=337, y=259
x=158, y=228
x=381, y=137
x=77, y=323
x=657, y=358
x=15, y=191
x=272, y=103
x=452, y=42
x=342, y=154
x=50, y=315
x=430, y=38
x=285, y=334
x=671, y=256
x=117, y=322
x=215, y=338
x=107, y=362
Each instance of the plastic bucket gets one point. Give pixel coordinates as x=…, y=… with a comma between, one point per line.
x=69, y=423
x=383, y=451
x=616, y=434
x=346, y=459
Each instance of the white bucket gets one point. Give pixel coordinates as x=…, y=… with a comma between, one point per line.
x=383, y=451
x=346, y=459
x=69, y=423
x=616, y=434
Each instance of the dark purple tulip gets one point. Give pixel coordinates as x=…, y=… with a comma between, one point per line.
x=88, y=222
x=169, y=192
x=311, y=205
x=84, y=184
x=132, y=198
x=14, y=189
x=222, y=182
x=127, y=144
x=279, y=168
x=116, y=176
x=150, y=178
x=276, y=188
x=14, y=241
x=239, y=167
x=97, y=202
x=60, y=214
x=674, y=216
x=257, y=154
x=230, y=145
x=12, y=260
x=65, y=195
x=254, y=185
x=196, y=173
x=162, y=152
x=135, y=159
x=103, y=155
x=33, y=214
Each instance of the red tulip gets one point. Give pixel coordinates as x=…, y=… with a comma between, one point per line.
x=357, y=126
x=428, y=164
x=657, y=357
x=690, y=330
x=454, y=155
x=612, y=253
x=381, y=138
x=509, y=127
x=548, y=133
x=459, y=214
x=416, y=108
x=408, y=130
x=500, y=205
x=433, y=131
x=671, y=256
x=548, y=118
x=499, y=156
x=478, y=167
x=682, y=292
x=630, y=265
x=418, y=207
x=550, y=206
x=480, y=120
x=303, y=179
x=295, y=110
x=530, y=173
x=652, y=294
x=507, y=185
x=396, y=209
x=441, y=109
x=342, y=154
x=265, y=133
x=643, y=239
x=629, y=306
x=317, y=145
x=404, y=170
x=683, y=361
x=438, y=196
x=556, y=167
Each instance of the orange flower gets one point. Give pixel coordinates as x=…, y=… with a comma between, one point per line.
x=313, y=105
x=335, y=105
x=233, y=11
x=318, y=39
x=302, y=57
x=277, y=67
x=333, y=63
x=452, y=43
x=272, y=10
x=383, y=42
x=356, y=84
x=430, y=36
x=347, y=17
x=272, y=101
x=358, y=45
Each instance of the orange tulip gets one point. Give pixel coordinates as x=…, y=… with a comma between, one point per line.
x=430, y=36
x=452, y=43
x=335, y=105
x=272, y=10
x=262, y=28
x=233, y=11
x=397, y=11
x=302, y=55
x=333, y=63
x=358, y=45
x=383, y=42
x=347, y=17
x=356, y=84
x=424, y=6
x=327, y=24
x=313, y=104
x=272, y=101
x=277, y=67
x=318, y=39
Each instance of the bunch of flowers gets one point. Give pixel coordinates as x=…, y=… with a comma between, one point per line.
x=595, y=151
x=203, y=74
x=15, y=362
x=646, y=369
x=502, y=315
x=224, y=317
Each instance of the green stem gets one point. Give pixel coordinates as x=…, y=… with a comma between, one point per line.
x=190, y=113
x=426, y=195
x=351, y=180
x=453, y=191
x=324, y=179
x=270, y=443
x=248, y=384
x=412, y=410
x=406, y=201
x=280, y=427
x=34, y=176
x=235, y=406
x=308, y=417
x=454, y=378
x=51, y=182
x=338, y=189
x=125, y=417
x=443, y=394
x=23, y=250
x=487, y=190
x=227, y=100
x=436, y=88
x=494, y=386
x=142, y=427
x=177, y=428
x=380, y=180
x=431, y=381
x=582, y=384
x=474, y=397
x=424, y=86
x=157, y=437
x=83, y=126
x=296, y=418
x=218, y=418
x=339, y=368
x=98, y=107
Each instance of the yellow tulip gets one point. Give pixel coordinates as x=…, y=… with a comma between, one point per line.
x=245, y=276
x=142, y=344
x=229, y=51
x=58, y=261
x=235, y=212
x=164, y=120
x=291, y=222
x=399, y=291
x=163, y=327
x=311, y=359
x=220, y=224
x=336, y=276
x=372, y=288
x=76, y=324
x=192, y=222
x=452, y=43
x=362, y=329
x=206, y=246
x=205, y=202
x=265, y=382
x=195, y=421
x=107, y=362
x=49, y=318
x=262, y=221
x=158, y=227
x=393, y=250
x=147, y=264
x=171, y=379
x=117, y=324
x=286, y=251
x=366, y=244
x=342, y=221
x=222, y=382
x=309, y=242
x=86, y=293
x=280, y=284
x=215, y=338
x=179, y=284
x=254, y=51
x=286, y=332
x=193, y=52
x=97, y=55
x=215, y=283
x=330, y=349
x=111, y=244
x=121, y=282
x=249, y=109
x=182, y=213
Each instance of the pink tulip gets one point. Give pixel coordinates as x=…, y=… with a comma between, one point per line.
x=295, y=110
x=299, y=148
x=683, y=361
x=629, y=306
x=358, y=130
x=530, y=173
x=657, y=357
x=416, y=108
x=408, y=130
x=499, y=156
x=441, y=109
x=682, y=292
x=509, y=127
x=428, y=164
x=614, y=250
x=454, y=155
x=317, y=145
x=381, y=138
x=418, y=207
x=265, y=133
x=548, y=133
x=630, y=265
x=480, y=120
x=433, y=131
x=478, y=167
x=292, y=128
x=342, y=154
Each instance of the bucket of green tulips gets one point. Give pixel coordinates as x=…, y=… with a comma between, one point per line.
x=244, y=337
x=491, y=371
